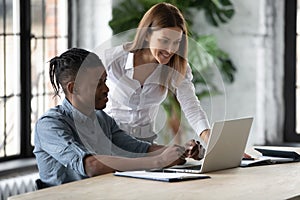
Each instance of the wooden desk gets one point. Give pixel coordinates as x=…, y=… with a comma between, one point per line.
x=281, y=181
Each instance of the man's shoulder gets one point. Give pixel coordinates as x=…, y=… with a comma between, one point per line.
x=55, y=113
x=106, y=122
x=103, y=115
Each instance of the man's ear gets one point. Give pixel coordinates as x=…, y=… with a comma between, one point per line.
x=71, y=87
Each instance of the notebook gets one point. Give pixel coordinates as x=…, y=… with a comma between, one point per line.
x=273, y=155
x=225, y=148
x=161, y=176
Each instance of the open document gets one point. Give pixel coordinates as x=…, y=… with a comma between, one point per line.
x=161, y=176
x=273, y=155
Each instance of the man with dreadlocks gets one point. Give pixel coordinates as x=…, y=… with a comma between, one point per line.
x=77, y=140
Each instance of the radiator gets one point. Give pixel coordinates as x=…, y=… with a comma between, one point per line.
x=17, y=185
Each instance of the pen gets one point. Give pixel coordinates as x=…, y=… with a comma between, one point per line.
x=248, y=158
x=155, y=170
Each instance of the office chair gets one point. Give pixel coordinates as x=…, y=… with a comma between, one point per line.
x=39, y=184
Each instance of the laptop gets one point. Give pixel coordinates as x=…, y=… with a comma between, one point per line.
x=225, y=148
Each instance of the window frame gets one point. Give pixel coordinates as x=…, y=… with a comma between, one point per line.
x=290, y=39
x=25, y=57
x=25, y=76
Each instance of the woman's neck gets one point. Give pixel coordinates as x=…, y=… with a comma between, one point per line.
x=144, y=65
x=143, y=57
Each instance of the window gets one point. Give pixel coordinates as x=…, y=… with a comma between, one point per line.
x=292, y=71
x=48, y=38
x=31, y=32
x=10, y=92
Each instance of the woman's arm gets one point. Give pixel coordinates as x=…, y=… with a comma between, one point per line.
x=190, y=104
x=204, y=136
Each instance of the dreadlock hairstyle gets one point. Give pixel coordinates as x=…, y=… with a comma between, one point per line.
x=64, y=68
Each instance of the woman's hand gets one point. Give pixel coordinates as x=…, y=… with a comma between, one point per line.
x=204, y=135
x=193, y=149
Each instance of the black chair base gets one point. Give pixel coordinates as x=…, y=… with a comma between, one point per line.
x=40, y=184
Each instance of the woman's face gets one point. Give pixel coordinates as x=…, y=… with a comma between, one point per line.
x=164, y=43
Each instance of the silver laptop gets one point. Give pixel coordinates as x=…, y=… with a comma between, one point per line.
x=225, y=147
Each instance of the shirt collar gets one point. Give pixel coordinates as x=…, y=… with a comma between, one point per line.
x=129, y=61
x=76, y=113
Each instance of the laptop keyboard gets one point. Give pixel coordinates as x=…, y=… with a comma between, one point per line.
x=195, y=167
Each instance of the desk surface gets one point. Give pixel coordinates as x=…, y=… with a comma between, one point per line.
x=280, y=181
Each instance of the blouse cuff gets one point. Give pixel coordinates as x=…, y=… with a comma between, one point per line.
x=202, y=125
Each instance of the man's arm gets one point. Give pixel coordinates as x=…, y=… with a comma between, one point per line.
x=158, y=157
x=156, y=149
x=101, y=164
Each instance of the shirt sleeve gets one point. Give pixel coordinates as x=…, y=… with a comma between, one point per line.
x=56, y=138
x=190, y=104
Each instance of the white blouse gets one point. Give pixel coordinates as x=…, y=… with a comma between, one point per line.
x=137, y=105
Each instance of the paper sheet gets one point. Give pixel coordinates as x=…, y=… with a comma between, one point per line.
x=161, y=176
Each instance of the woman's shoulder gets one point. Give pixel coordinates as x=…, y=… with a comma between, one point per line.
x=115, y=50
x=114, y=54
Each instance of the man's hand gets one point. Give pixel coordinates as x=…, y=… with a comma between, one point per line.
x=193, y=149
x=173, y=155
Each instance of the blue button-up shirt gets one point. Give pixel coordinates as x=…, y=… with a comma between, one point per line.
x=64, y=136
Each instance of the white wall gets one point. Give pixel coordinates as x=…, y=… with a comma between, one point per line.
x=90, y=23
x=254, y=41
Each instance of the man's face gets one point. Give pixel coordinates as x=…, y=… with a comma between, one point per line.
x=101, y=92
x=92, y=89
